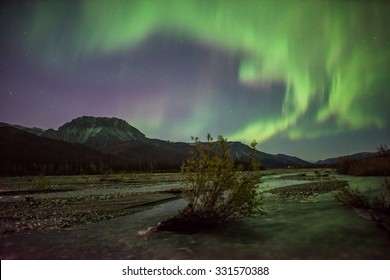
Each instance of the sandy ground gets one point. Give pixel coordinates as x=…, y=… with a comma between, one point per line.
x=34, y=214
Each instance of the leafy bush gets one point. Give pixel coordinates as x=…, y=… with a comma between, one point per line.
x=216, y=190
x=382, y=202
x=354, y=198
x=40, y=182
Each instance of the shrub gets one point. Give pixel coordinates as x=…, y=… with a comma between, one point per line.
x=354, y=198
x=382, y=202
x=216, y=190
x=40, y=182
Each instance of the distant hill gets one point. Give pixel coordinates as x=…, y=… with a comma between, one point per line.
x=335, y=160
x=292, y=160
x=24, y=153
x=362, y=164
x=96, y=132
x=240, y=151
x=376, y=165
x=33, y=130
x=154, y=153
x=168, y=153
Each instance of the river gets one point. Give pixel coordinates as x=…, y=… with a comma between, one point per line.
x=314, y=228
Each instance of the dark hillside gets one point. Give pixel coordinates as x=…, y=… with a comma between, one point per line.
x=23, y=153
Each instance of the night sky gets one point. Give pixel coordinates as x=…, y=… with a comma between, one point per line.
x=304, y=78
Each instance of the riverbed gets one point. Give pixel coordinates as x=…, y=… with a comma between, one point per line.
x=292, y=227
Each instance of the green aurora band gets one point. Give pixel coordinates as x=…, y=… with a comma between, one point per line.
x=333, y=55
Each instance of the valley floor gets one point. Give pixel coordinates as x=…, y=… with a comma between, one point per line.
x=95, y=217
x=32, y=203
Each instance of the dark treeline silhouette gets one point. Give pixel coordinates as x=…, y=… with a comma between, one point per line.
x=376, y=165
x=77, y=167
x=40, y=165
x=22, y=153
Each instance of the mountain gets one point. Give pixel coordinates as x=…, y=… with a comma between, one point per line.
x=96, y=132
x=96, y=144
x=172, y=154
x=24, y=153
x=152, y=153
x=240, y=151
x=292, y=160
x=116, y=137
x=33, y=130
x=336, y=160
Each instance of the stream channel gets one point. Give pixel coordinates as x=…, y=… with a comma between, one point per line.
x=312, y=228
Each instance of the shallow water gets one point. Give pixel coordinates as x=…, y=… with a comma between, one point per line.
x=290, y=230
x=277, y=183
x=315, y=228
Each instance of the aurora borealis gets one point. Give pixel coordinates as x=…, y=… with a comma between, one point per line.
x=305, y=78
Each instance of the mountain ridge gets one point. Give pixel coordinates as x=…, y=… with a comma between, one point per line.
x=128, y=146
x=335, y=160
x=33, y=130
x=96, y=132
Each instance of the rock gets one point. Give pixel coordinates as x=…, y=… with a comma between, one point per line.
x=146, y=232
